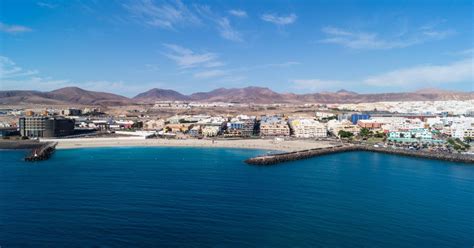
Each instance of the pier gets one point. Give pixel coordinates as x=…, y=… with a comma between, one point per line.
x=304, y=154
x=42, y=152
x=39, y=150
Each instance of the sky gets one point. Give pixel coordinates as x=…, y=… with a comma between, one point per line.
x=130, y=46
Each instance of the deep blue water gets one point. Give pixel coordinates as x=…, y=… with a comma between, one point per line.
x=190, y=197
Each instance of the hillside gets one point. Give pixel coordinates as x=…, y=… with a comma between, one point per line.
x=258, y=95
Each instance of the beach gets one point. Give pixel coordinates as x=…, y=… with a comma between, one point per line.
x=264, y=144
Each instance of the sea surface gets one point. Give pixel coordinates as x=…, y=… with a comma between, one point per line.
x=198, y=197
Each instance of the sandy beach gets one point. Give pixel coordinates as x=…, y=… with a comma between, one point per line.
x=264, y=144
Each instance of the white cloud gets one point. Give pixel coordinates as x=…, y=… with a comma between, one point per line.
x=223, y=25
x=173, y=15
x=186, y=58
x=167, y=15
x=367, y=40
x=106, y=86
x=270, y=65
x=467, y=52
x=210, y=74
x=336, y=31
x=316, y=84
x=416, y=77
x=425, y=75
x=9, y=69
x=46, y=5
x=14, y=77
x=238, y=13
x=233, y=79
x=438, y=35
x=227, y=31
x=34, y=83
x=279, y=20
x=13, y=29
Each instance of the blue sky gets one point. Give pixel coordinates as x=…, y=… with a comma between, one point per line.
x=127, y=47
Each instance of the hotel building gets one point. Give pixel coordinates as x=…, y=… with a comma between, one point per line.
x=41, y=126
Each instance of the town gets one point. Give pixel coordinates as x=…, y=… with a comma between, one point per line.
x=446, y=126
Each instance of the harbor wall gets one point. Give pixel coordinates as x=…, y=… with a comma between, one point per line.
x=298, y=155
x=43, y=152
x=39, y=150
x=19, y=144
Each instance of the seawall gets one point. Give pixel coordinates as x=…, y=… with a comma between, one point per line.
x=298, y=155
x=39, y=150
x=19, y=144
x=43, y=152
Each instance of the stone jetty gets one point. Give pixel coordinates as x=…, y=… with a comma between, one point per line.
x=43, y=152
x=304, y=154
x=20, y=144
x=39, y=150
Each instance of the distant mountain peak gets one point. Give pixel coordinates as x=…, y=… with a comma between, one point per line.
x=343, y=91
x=157, y=94
x=70, y=89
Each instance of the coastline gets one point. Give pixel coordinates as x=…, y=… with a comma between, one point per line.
x=261, y=144
x=287, y=150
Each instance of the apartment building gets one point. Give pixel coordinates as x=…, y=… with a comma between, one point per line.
x=307, y=128
x=241, y=126
x=210, y=131
x=274, y=126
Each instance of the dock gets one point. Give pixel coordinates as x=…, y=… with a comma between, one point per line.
x=42, y=152
x=305, y=154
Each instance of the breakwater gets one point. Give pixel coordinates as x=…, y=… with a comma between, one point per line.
x=20, y=144
x=43, y=152
x=39, y=150
x=304, y=154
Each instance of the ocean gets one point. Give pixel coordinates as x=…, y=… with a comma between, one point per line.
x=207, y=197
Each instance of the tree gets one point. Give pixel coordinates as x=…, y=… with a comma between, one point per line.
x=364, y=132
x=379, y=135
x=345, y=134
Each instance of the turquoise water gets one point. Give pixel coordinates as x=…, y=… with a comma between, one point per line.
x=190, y=197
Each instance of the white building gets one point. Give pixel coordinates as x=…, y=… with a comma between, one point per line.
x=241, y=126
x=400, y=123
x=456, y=127
x=307, y=128
x=274, y=126
x=334, y=126
x=212, y=126
x=321, y=115
x=210, y=131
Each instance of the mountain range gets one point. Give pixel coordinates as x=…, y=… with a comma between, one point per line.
x=257, y=95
